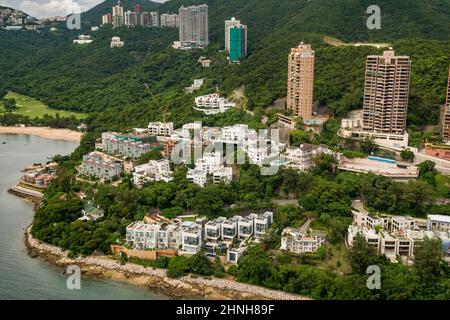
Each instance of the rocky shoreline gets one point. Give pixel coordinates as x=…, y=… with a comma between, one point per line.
x=155, y=279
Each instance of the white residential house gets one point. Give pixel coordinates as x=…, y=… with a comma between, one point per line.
x=155, y=235
x=160, y=128
x=437, y=222
x=116, y=42
x=198, y=83
x=83, y=39
x=263, y=151
x=246, y=226
x=199, y=177
x=230, y=229
x=237, y=134
x=301, y=158
x=210, y=164
x=222, y=174
x=262, y=223
x=295, y=241
x=233, y=254
x=192, y=237
x=154, y=170
x=213, y=104
x=213, y=230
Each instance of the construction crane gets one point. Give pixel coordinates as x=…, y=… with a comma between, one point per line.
x=164, y=110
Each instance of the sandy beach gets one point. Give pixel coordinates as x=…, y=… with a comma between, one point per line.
x=45, y=132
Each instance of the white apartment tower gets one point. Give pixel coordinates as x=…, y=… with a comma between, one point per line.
x=117, y=15
x=194, y=25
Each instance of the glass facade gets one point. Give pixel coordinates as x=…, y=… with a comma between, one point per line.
x=238, y=44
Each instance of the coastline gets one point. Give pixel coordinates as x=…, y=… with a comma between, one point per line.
x=44, y=132
x=186, y=287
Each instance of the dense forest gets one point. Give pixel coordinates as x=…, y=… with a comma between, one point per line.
x=110, y=82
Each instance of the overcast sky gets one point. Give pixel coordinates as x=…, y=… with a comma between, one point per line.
x=50, y=8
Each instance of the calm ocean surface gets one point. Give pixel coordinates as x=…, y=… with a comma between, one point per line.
x=22, y=277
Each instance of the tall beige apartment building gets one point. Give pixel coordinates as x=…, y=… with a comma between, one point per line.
x=301, y=81
x=386, y=92
x=445, y=120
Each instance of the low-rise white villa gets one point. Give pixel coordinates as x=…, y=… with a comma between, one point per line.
x=439, y=223
x=160, y=128
x=83, y=39
x=154, y=170
x=192, y=238
x=210, y=164
x=296, y=241
x=213, y=104
x=301, y=158
x=116, y=42
x=198, y=83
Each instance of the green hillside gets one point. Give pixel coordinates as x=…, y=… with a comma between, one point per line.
x=109, y=83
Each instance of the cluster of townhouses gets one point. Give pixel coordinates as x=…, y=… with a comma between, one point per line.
x=154, y=170
x=227, y=235
x=260, y=149
x=101, y=166
x=397, y=236
x=210, y=165
x=128, y=146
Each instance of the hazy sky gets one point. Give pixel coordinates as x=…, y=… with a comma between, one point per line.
x=49, y=8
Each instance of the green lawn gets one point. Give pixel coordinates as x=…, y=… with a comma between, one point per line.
x=33, y=108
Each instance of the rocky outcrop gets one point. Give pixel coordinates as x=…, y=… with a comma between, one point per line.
x=156, y=279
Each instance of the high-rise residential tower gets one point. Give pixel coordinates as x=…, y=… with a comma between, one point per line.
x=386, y=92
x=194, y=26
x=228, y=24
x=169, y=20
x=154, y=18
x=238, y=43
x=301, y=81
x=445, y=120
x=117, y=15
x=131, y=19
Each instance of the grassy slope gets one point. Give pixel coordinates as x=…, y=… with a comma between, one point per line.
x=35, y=109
